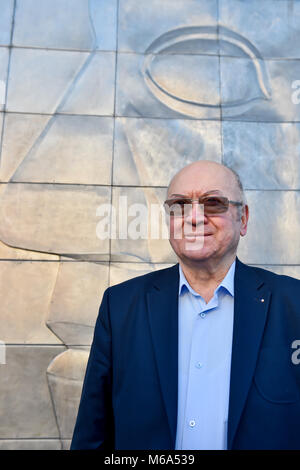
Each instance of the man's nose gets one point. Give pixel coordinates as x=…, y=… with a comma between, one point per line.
x=196, y=214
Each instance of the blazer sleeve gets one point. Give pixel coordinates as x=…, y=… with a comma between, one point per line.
x=94, y=427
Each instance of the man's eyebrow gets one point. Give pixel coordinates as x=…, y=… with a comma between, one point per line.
x=204, y=194
x=212, y=191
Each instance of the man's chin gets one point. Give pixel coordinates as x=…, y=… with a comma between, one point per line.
x=193, y=249
x=194, y=244
x=194, y=253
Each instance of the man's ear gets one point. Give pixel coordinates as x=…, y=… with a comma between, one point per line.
x=244, y=220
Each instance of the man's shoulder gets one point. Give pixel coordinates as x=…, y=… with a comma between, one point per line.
x=145, y=280
x=276, y=279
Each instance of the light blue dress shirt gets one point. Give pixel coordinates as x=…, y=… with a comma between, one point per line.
x=204, y=359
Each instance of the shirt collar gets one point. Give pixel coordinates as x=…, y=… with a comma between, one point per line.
x=227, y=283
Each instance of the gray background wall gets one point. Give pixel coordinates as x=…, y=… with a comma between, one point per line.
x=107, y=98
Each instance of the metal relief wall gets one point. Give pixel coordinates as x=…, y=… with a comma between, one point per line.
x=105, y=99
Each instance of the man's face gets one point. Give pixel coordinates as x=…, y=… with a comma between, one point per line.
x=197, y=236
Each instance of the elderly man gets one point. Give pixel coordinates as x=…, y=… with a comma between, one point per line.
x=199, y=355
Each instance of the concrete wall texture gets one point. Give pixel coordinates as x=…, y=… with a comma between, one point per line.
x=107, y=98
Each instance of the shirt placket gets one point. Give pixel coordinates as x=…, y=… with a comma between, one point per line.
x=193, y=425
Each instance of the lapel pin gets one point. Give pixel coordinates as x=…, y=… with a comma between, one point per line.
x=262, y=300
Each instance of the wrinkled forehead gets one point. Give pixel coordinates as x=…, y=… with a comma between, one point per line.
x=194, y=183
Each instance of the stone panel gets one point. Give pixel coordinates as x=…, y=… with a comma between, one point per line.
x=28, y=128
x=66, y=443
x=256, y=90
x=273, y=26
x=70, y=149
x=3, y=75
x=293, y=271
x=168, y=86
x=140, y=23
x=30, y=444
x=93, y=90
x=66, y=24
x=145, y=238
x=6, y=8
x=26, y=408
x=57, y=219
x=274, y=227
x=65, y=376
x=9, y=253
x=76, y=299
x=41, y=80
x=26, y=289
x=265, y=155
x=1, y=126
x=149, y=151
x=120, y=272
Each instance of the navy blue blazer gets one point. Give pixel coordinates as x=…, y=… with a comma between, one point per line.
x=129, y=396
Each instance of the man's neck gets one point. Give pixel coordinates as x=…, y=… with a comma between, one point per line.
x=204, y=278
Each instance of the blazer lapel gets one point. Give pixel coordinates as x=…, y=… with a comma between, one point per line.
x=162, y=302
x=251, y=301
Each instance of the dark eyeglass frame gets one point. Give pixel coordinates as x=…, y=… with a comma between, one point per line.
x=212, y=204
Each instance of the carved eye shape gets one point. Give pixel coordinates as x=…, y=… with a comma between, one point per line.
x=165, y=72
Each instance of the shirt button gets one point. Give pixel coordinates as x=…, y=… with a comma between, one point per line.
x=202, y=315
x=199, y=365
x=192, y=423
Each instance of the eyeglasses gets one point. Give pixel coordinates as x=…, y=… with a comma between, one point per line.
x=181, y=207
